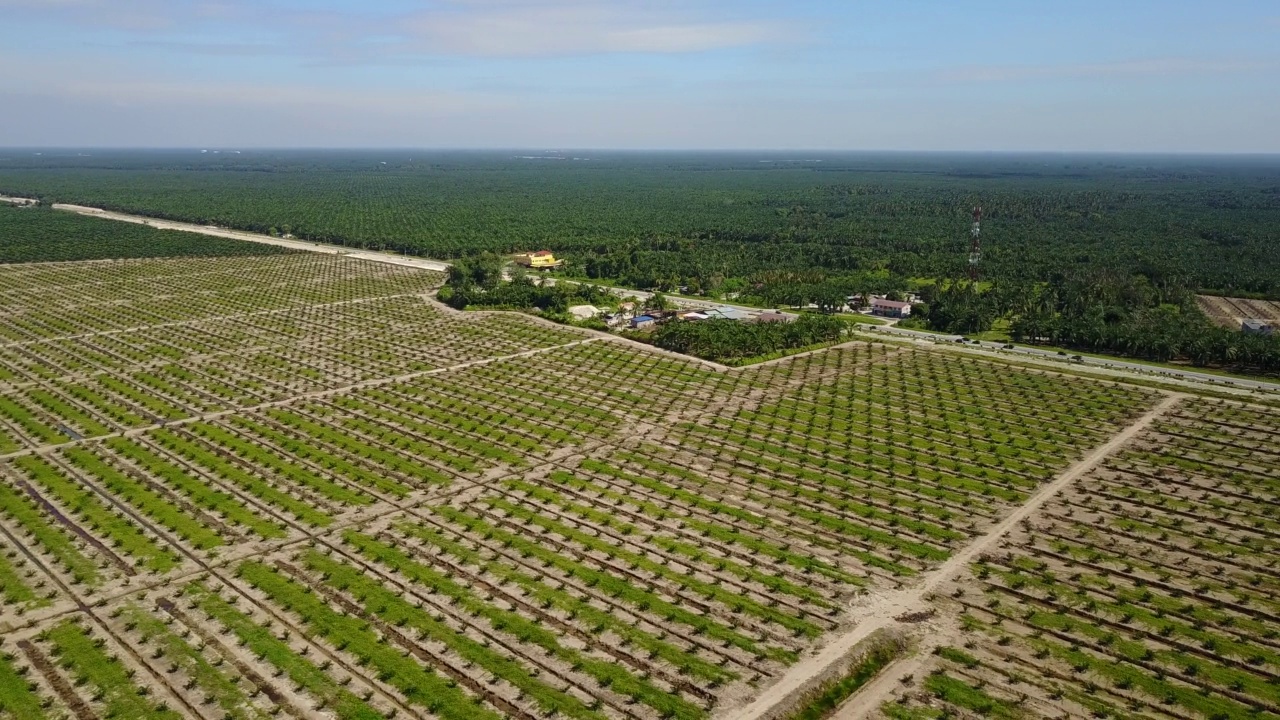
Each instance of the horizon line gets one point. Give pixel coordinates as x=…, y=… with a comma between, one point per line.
x=564, y=149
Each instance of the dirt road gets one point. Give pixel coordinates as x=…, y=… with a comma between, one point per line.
x=383, y=257
x=879, y=609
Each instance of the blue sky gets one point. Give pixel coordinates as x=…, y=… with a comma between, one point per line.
x=1123, y=75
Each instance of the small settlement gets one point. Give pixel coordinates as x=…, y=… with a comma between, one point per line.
x=653, y=318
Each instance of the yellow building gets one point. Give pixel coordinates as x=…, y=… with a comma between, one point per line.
x=541, y=260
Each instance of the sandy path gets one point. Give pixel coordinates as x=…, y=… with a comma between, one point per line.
x=879, y=610
x=375, y=256
x=863, y=704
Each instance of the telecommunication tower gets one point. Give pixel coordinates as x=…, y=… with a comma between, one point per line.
x=975, y=244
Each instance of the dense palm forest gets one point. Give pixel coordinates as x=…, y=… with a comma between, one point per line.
x=711, y=222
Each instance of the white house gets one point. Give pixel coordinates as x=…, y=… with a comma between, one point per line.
x=890, y=308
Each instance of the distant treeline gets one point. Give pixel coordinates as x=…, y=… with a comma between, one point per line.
x=769, y=225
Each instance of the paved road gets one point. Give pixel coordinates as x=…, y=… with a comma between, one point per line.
x=1109, y=363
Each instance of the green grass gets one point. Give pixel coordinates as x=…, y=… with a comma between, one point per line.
x=84, y=659
x=198, y=490
x=391, y=607
x=238, y=476
x=153, y=404
x=18, y=699
x=999, y=332
x=961, y=694
x=778, y=354
x=722, y=532
x=421, y=686
x=573, y=606
x=14, y=589
x=894, y=711
x=89, y=426
x=24, y=418
x=355, y=446
x=827, y=698
x=301, y=671
x=56, y=541
x=709, y=590
x=855, y=318
x=606, y=673
x=153, y=505
x=309, y=451
x=959, y=657
x=694, y=551
x=263, y=458
x=99, y=517
x=215, y=683
x=621, y=589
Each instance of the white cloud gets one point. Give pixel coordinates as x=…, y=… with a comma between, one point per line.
x=46, y=4
x=470, y=28
x=566, y=27
x=129, y=15
x=258, y=98
x=1151, y=67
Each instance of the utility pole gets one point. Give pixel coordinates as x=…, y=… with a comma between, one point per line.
x=975, y=244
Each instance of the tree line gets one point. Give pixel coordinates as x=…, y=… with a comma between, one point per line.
x=1102, y=310
x=711, y=223
x=731, y=341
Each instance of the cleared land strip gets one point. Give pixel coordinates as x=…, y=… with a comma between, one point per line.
x=414, y=262
x=882, y=608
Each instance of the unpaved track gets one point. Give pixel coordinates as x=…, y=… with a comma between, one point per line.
x=373, y=255
x=863, y=704
x=879, y=610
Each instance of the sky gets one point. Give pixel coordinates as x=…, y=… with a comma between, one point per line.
x=1189, y=76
